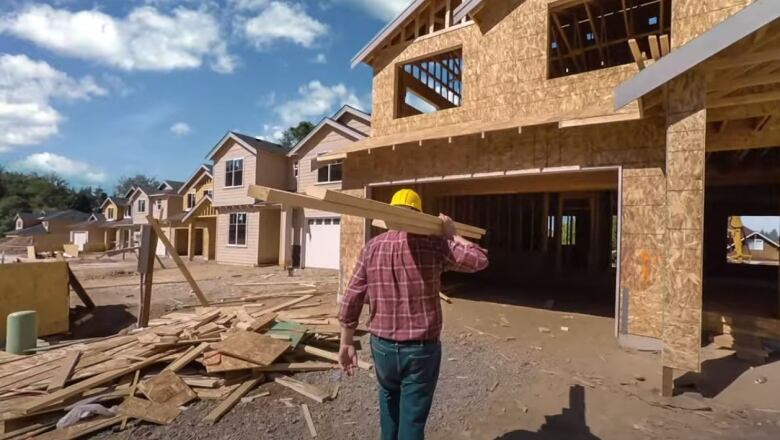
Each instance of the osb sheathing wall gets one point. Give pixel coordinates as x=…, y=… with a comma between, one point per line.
x=42, y=287
x=505, y=77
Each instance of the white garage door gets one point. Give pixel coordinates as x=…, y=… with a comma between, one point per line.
x=80, y=239
x=323, y=243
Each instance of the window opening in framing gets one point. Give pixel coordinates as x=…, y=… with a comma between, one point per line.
x=592, y=35
x=430, y=84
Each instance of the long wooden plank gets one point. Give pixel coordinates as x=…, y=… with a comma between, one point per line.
x=373, y=205
x=312, y=392
x=309, y=421
x=332, y=356
x=638, y=57
x=176, y=259
x=63, y=374
x=305, y=201
x=77, y=389
x=80, y=430
x=75, y=284
x=133, y=389
x=188, y=357
x=227, y=404
x=281, y=306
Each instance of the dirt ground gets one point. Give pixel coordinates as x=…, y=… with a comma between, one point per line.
x=509, y=372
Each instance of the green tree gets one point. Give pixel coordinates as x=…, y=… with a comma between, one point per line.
x=293, y=135
x=127, y=182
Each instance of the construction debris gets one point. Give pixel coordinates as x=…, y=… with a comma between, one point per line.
x=210, y=353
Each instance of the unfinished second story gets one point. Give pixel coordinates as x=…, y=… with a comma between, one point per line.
x=514, y=63
x=345, y=127
x=240, y=161
x=197, y=194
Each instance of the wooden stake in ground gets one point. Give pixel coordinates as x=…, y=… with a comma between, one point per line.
x=176, y=259
x=309, y=421
x=146, y=269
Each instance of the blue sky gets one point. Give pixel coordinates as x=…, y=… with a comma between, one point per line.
x=95, y=90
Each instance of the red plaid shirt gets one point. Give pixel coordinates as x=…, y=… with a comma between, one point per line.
x=400, y=273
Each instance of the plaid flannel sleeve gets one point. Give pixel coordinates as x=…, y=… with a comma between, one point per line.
x=354, y=297
x=466, y=258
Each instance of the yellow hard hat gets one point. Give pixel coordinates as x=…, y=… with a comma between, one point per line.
x=408, y=198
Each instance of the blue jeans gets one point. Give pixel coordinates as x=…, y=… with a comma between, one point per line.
x=407, y=374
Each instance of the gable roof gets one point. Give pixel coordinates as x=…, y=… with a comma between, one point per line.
x=763, y=237
x=203, y=170
x=353, y=111
x=327, y=123
x=27, y=217
x=386, y=32
x=118, y=201
x=148, y=190
x=130, y=192
x=745, y=22
x=203, y=201
x=170, y=185
x=28, y=232
x=252, y=144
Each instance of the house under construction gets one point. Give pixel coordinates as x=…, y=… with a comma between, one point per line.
x=603, y=144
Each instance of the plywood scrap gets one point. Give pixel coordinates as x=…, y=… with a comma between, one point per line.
x=309, y=421
x=252, y=347
x=80, y=430
x=167, y=388
x=133, y=389
x=148, y=411
x=227, y=404
x=312, y=392
x=216, y=362
x=65, y=371
x=289, y=331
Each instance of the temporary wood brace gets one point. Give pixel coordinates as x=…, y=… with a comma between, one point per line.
x=75, y=284
x=396, y=217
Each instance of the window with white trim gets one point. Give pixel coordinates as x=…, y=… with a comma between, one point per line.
x=142, y=205
x=190, y=201
x=234, y=173
x=237, y=229
x=330, y=173
x=295, y=169
x=756, y=244
x=19, y=224
x=110, y=213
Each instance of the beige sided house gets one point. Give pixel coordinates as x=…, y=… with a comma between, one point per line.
x=602, y=146
x=49, y=231
x=316, y=234
x=118, y=228
x=198, y=215
x=247, y=232
x=91, y=235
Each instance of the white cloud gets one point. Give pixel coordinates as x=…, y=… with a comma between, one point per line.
x=320, y=59
x=180, y=129
x=248, y=5
x=381, y=9
x=27, y=88
x=144, y=40
x=282, y=21
x=316, y=100
x=64, y=167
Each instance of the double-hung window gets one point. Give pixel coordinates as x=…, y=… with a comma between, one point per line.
x=330, y=173
x=110, y=215
x=295, y=169
x=190, y=200
x=142, y=206
x=237, y=229
x=234, y=173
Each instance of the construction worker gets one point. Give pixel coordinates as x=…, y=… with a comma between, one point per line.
x=400, y=275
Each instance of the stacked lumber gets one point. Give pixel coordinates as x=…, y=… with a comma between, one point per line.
x=209, y=353
x=743, y=334
x=383, y=215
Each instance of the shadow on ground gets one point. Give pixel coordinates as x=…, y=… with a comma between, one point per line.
x=105, y=321
x=569, y=425
x=716, y=375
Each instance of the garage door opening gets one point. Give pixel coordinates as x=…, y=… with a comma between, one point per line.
x=552, y=238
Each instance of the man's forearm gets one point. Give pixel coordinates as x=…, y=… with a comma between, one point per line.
x=347, y=336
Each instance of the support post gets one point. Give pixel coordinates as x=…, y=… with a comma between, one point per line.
x=667, y=382
x=191, y=242
x=146, y=269
x=206, y=244
x=285, y=237
x=686, y=129
x=75, y=284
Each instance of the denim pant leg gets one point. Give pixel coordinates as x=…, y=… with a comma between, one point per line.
x=386, y=365
x=420, y=373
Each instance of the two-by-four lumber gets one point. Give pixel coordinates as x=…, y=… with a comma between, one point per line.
x=232, y=400
x=176, y=259
x=638, y=57
x=397, y=215
x=309, y=421
x=188, y=357
x=368, y=204
x=665, y=45
x=281, y=306
x=655, y=49
x=312, y=392
x=80, y=430
x=332, y=356
x=75, y=284
x=146, y=270
x=63, y=374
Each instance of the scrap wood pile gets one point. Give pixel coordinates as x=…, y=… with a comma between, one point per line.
x=209, y=353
